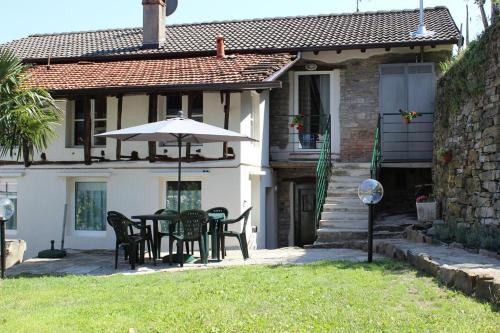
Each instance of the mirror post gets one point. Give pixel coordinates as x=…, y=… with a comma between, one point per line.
x=370, y=232
x=2, y=245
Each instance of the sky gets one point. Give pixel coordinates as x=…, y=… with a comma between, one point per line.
x=48, y=16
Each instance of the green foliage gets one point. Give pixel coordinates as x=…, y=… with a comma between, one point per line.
x=464, y=75
x=27, y=115
x=385, y=296
x=478, y=236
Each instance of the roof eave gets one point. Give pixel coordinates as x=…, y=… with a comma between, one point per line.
x=160, y=89
x=100, y=58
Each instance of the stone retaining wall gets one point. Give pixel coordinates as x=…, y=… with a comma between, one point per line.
x=468, y=187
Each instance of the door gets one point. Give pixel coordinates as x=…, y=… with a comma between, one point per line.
x=305, y=203
x=408, y=87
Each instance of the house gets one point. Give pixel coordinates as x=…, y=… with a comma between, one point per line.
x=330, y=76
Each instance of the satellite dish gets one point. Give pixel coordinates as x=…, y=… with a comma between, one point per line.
x=171, y=6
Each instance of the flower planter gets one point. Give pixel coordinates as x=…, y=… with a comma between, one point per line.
x=406, y=120
x=426, y=211
x=307, y=141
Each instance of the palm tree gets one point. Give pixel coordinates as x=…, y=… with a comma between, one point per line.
x=27, y=115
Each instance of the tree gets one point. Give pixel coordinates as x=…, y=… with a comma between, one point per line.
x=480, y=4
x=27, y=115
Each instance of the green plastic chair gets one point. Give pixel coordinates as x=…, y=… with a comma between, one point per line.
x=216, y=214
x=241, y=236
x=130, y=243
x=165, y=226
x=189, y=229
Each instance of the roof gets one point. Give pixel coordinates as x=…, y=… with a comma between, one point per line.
x=287, y=34
x=244, y=71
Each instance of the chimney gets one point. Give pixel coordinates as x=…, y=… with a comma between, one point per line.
x=422, y=29
x=153, y=33
x=221, y=53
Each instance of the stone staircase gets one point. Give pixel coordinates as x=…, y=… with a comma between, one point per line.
x=344, y=217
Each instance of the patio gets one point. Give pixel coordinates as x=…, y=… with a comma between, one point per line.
x=101, y=262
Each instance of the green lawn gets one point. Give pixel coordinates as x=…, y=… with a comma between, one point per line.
x=329, y=296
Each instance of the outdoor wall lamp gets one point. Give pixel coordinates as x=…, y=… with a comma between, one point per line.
x=370, y=192
x=6, y=212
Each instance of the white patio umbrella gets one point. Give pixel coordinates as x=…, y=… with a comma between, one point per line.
x=178, y=130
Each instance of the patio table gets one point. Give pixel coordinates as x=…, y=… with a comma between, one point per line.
x=214, y=220
x=155, y=218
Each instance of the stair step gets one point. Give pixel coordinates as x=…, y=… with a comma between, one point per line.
x=351, y=166
x=328, y=235
x=344, y=216
x=344, y=224
x=335, y=207
x=353, y=193
x=346, y=179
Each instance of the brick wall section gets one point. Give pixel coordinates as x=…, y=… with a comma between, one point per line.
x=359, y=104
x=468, y=187
x=280, y=108
x=359, y=101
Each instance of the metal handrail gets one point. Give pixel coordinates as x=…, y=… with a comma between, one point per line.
x=376, y=153
x=323, y=172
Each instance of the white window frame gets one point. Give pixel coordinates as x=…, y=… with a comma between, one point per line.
x=162, y=115
x=334, y=108
x=91, y=233
x=92, y=122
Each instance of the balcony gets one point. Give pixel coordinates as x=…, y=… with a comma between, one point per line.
x=297, y=137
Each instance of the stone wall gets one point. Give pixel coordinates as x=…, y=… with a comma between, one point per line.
x=468, y=186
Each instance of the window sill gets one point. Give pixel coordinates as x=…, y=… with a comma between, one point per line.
x=89, y=233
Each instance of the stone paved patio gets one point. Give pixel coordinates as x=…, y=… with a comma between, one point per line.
x=102, y=262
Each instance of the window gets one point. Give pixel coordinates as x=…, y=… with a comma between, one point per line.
x=190, y=195
x=9, y=190
x=90, y=206
x=314, y=103
x=98, y=115
x=178, y=102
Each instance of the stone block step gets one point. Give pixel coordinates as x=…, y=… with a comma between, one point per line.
x=344, y=216
x=344, y=224
x=343, y=186
x=350, y=172
x=339, y=200
x=346, y=179
x=353, y=193
x=350, y=166
x=328, y=235
x=347, y=207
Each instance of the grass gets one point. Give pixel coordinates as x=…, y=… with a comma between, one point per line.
x=330, y=296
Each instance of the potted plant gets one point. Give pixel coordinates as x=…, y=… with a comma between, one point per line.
x=307, y=140
x=426, y=208
x=445, y=155
x=408, y=116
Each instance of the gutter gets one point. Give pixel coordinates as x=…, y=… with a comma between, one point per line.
x=284, y=69
x=164, y=89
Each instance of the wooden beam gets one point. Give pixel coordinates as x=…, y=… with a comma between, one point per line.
x=227, y=107
x=87, y=137
x=189, y=115
x=152, y=117
x=119, y=126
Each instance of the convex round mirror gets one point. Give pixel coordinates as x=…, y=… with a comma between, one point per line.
x=370, y=191
x=6, y=209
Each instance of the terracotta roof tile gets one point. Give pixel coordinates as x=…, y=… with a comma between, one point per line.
x=336, y=31
x=208, y=70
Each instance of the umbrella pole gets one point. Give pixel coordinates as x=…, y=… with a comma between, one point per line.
x=179, y=142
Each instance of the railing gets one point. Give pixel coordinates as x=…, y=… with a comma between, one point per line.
x=291, y=135
x=376, y=154
x=323, y=172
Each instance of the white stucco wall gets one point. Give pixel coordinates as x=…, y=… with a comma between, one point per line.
x=139, y=187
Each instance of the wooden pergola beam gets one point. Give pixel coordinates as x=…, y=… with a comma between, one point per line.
x=119, y=126
x=87, y=125
x=227, y=107
x=152, y=117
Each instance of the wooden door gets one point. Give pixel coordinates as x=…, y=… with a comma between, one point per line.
x=305, y=203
